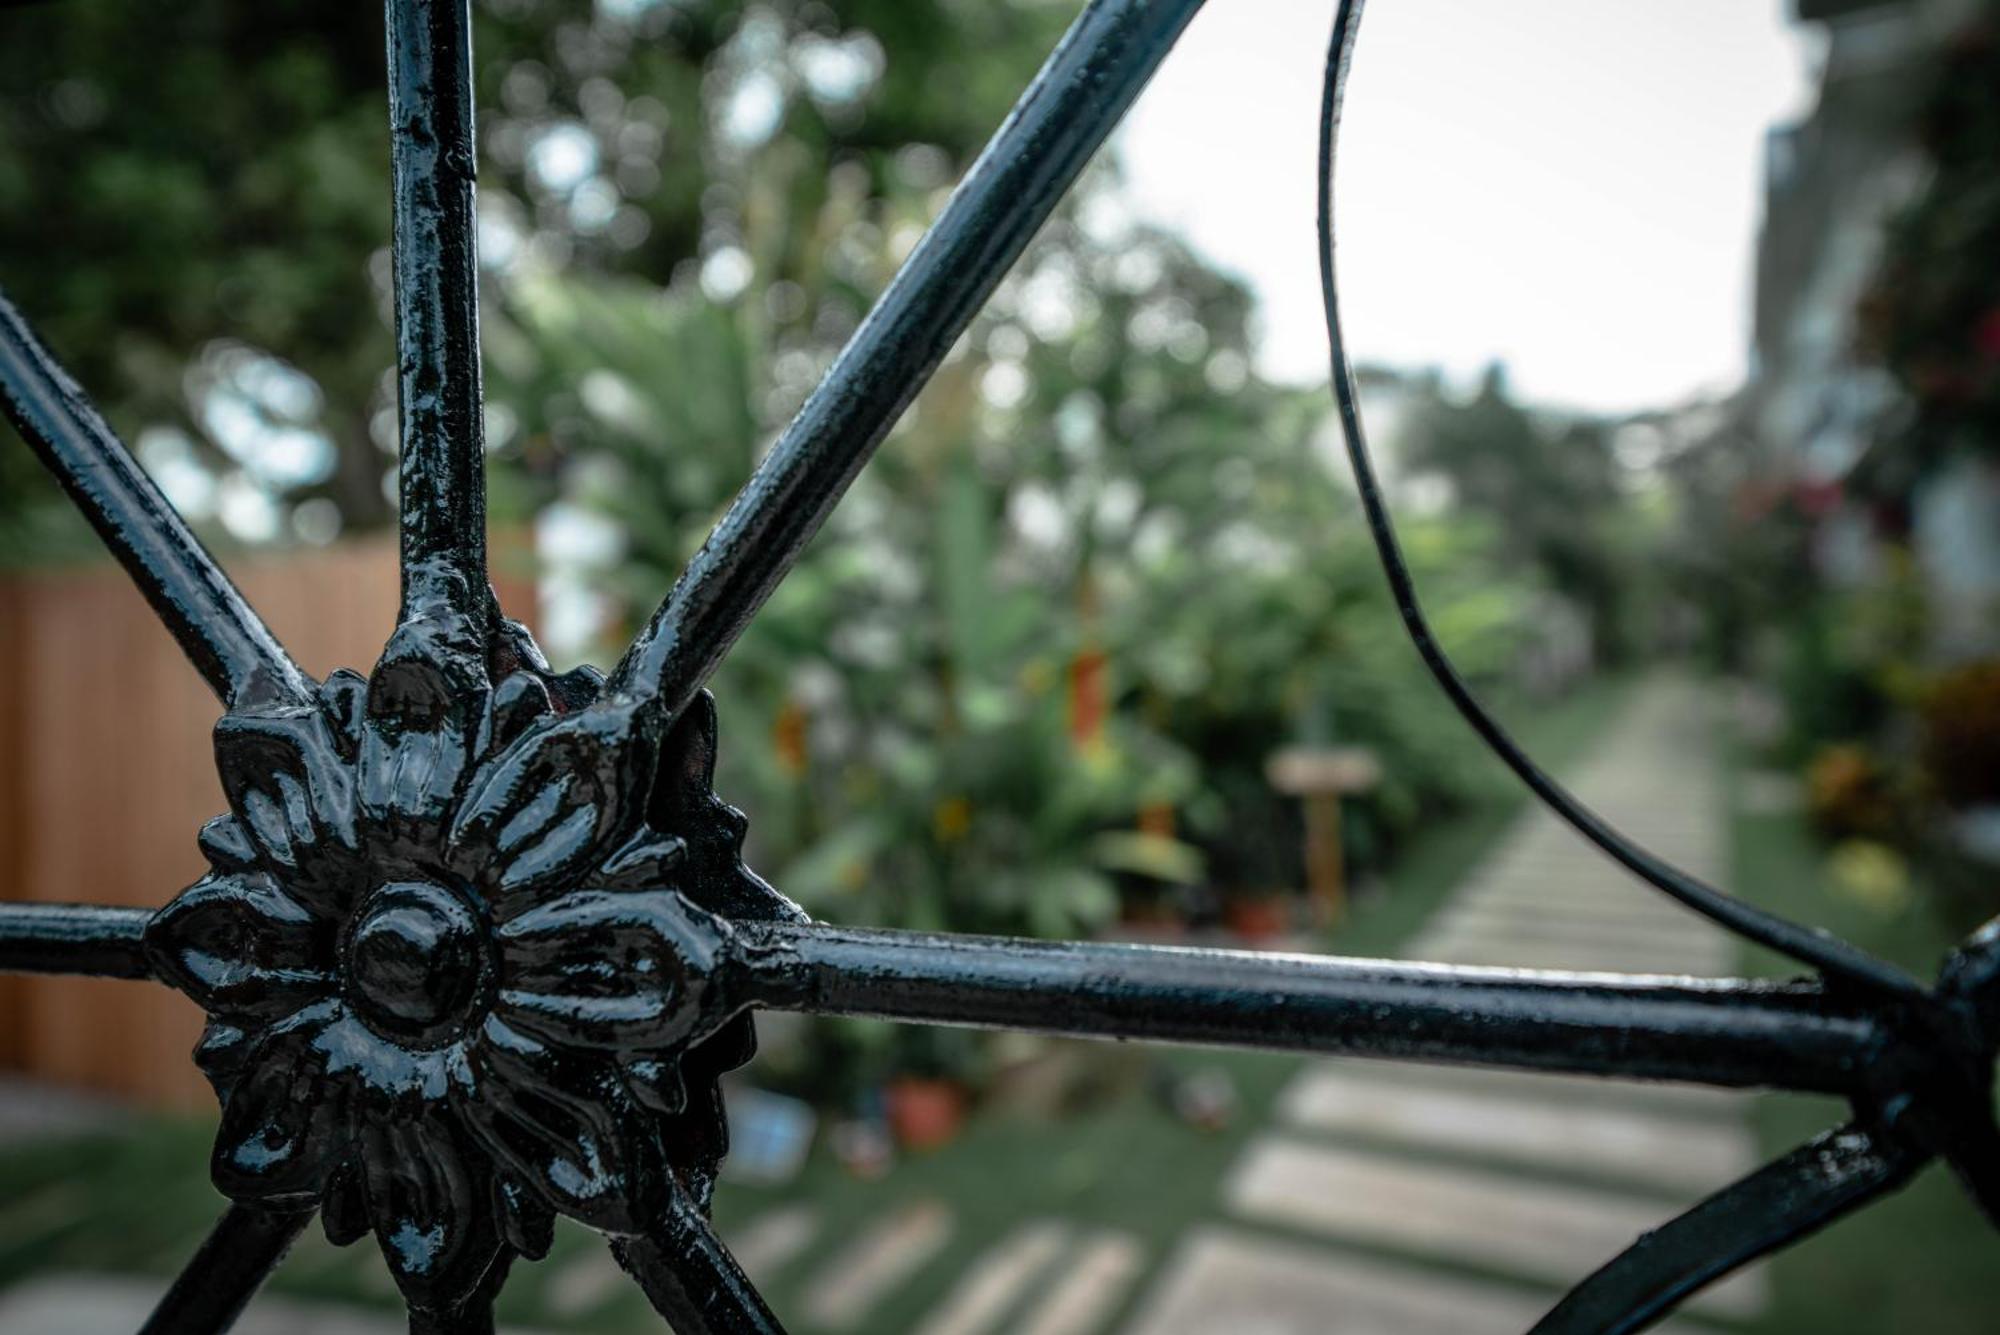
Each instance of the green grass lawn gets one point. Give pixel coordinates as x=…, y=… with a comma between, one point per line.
x=1921, y=1261
x=140, y=1201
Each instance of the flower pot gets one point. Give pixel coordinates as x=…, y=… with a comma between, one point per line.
x=925, y=1113
x=1264, y=918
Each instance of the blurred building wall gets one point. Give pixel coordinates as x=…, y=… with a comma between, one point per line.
x=107, y=773
x=1832, y=181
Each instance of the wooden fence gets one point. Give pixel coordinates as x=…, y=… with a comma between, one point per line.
x=107, y=773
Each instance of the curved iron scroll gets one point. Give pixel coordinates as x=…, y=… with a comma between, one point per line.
x=477, y=942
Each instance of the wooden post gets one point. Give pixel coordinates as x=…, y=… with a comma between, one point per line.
x=1320, y=777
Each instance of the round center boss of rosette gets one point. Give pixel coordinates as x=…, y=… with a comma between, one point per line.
x=417, y=961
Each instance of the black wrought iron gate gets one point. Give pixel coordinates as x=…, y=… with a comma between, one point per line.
x=476, y=942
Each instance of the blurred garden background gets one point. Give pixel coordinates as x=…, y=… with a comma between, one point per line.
x=1097, y=646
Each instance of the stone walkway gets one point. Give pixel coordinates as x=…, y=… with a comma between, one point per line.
x=1387, y=1200
x=1517, y=1185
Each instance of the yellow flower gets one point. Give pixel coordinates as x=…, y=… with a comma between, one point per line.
x=950, y=819
x=1871, y=874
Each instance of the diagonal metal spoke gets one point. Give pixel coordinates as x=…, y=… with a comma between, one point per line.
x=1820, y=949
x=1715, y=1031
x=1087, y=83
x=692, y=1280
x=230, y=646
x=74, y=939
x=475, y=1318
x=239, y=1253
x=1782, y=1202
x=437, y=306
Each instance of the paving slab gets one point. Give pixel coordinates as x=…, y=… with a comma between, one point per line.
x=1657, y=1149
x=1673, y=926
x=1560, y=884
x=1536, y=1229
x=998, y=1282
x=875, y=1264
x=1229, y=1282
x=84, y=1304
x=1696, y=1102
x=1504, y=934
x=1085, y=1294
x=585, y=1280
x=771, y=1241
x=1523, y=953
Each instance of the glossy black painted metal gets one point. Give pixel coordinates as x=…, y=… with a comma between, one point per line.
x=433, y=155
x=73, y=938
x=691, y=1278
x=474, y=1318
x=228, y=643
x=439, y=1006
x=477, y=941
x=1720, y=1032
x=232, y=1263
x=1085, y=87
x=1797, y=1195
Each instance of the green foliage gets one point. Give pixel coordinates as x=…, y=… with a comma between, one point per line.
x=1036, y=665
x=1095, y=510
x=1552, y=489
x=172, y=176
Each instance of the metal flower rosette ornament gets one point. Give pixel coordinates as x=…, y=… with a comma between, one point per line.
x=454, y=969
x=477, y=942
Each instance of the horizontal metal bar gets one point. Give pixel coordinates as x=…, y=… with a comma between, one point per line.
x=74, y=939
x=1721, y=1032
x=1081, y=92
x=229, y=644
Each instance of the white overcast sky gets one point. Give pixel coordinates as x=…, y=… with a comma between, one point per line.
x=1570, y=186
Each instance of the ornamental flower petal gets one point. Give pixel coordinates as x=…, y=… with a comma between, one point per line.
x=606, y=969
x=227, y=846
x=292, y=795
x=426, y=700
x=684, y=801
x=284, y=1122
x=519, y=702
x=430, y=1199
x=343, y=1205
x=548, y=808
x=239, y=945
x=525, y=1219
x=565, y=1121
x=343, y=698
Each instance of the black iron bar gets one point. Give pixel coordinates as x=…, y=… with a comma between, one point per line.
x=1822, y=950
x=1720, y=1032
x=1079, y=95
x=437, y=306
x=74, y=939
x=230, y=646
x=1819, y=1182
x=475, y=1318
x=239, y=1253
x=692, y=1280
